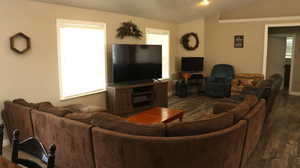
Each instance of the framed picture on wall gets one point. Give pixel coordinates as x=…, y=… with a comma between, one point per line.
x=239, y=41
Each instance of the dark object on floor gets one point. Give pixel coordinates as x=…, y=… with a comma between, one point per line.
x=33, y=147
x=181, y=89
x=1, y=138
x=219, y=83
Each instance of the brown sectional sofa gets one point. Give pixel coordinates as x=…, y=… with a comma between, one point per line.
x=102, y=140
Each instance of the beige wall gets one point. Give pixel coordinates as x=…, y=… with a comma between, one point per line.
x=34, y=75
x=196, y=26
x=219, y=37
x=219, y=42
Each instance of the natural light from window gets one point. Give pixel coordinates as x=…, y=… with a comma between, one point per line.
x=82, y=60
x=161, y=37
x=289, y=47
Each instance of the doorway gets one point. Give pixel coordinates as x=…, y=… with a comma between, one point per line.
x=280, y=52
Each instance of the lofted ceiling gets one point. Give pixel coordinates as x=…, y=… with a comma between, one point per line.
x=179, y=11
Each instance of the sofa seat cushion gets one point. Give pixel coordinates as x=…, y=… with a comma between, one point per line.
x=82, y=116
x=198, y=127
x=223, y=106
x=240, y=111
x=85, y=108
x=250, y=100
x=118, y=124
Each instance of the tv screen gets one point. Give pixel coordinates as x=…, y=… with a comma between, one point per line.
x=133, y=63
x=192, y=64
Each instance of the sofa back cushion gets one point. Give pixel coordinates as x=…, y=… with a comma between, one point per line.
x=85, y=117
x=73, y=139
x=198, y=127
x=118, y=124
x=238, y=110
x=85, y=108
x=58, y=111
x=17, y=116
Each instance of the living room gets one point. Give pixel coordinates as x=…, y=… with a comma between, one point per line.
x=36, y=74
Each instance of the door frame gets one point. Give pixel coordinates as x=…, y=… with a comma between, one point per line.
x=265, y=58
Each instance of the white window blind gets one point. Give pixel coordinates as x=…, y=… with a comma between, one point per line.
x=161, y=37
x=82, y=58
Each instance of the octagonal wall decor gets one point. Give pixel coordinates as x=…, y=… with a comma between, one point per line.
x=20, y=43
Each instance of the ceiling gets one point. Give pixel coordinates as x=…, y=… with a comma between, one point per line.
x=178, y=11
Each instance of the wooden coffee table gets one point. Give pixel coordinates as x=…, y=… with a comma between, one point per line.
x=156, y=115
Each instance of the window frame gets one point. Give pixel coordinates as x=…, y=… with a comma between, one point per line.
x=158, y=31
x=86, y=24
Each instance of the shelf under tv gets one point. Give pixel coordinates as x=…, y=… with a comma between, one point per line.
x=124, y=99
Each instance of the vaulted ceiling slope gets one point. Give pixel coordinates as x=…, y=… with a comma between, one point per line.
x=178, y=11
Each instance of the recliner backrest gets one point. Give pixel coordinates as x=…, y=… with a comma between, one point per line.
x=223, y=71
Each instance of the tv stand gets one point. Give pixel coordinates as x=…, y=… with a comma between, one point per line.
x=131, y=98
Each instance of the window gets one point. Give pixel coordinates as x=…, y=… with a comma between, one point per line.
x=289, y=47
x=82, y=58
x=161, y=37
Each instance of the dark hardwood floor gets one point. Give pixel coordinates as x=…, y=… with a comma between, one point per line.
x=279, y=146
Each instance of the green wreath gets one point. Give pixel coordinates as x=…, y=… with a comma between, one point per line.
x=185, y=41
x=129, y=29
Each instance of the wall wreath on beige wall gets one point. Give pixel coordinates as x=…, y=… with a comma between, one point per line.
x=185, y=41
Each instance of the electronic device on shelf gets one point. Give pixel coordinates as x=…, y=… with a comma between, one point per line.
x=134, y=63
x=192, y=64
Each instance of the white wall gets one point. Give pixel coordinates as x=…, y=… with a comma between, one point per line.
x=34, y=75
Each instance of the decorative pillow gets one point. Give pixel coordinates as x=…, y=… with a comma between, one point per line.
x=82, y=116
x=198, y=127
x=246, y=82
x=118, y=124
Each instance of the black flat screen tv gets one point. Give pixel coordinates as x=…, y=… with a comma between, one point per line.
x=136, y=63
x=192, y=64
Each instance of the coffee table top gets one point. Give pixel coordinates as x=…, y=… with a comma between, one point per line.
x=156, y=115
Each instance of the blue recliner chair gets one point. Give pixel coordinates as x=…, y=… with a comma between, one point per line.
x=219, y=83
